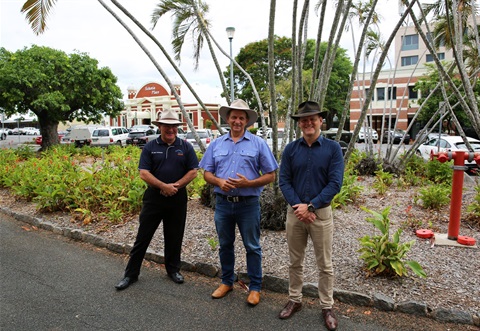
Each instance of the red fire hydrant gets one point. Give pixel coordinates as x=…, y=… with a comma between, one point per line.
x=459, y=158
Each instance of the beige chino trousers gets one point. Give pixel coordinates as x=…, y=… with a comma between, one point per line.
x=321, y=233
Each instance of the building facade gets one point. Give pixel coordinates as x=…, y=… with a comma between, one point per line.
x=146, y=104
x=394, y=101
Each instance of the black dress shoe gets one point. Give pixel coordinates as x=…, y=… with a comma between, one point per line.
x=176, y=277
x=126, y=282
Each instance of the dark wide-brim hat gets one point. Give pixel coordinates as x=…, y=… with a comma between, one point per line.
x=309, y=108
x=239, y=104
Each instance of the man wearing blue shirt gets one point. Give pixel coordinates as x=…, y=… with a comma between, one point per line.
x=167, y=164
x=239, y=164
x=311, y=174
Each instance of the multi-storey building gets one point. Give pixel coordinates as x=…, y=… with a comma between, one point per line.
x=394, y=101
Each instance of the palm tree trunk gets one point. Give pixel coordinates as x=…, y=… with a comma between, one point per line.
x=375, y=77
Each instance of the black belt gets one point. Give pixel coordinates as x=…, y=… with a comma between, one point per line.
x=231, y=198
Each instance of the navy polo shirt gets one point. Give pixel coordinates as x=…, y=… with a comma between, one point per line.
x=168, y=163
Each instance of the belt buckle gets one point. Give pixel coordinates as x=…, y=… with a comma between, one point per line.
x=233, y=199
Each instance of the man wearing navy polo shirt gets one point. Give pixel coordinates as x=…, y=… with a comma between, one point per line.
x=239, y=164
x=311, y=174
x=167, y=165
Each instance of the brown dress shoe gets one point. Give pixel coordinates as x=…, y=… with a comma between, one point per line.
x=253, y=298
x=330, y=319
x=290, y=308
x=221, y=291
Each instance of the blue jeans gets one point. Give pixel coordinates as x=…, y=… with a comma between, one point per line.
x=245, y=214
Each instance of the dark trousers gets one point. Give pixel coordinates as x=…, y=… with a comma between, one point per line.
x=157, y=208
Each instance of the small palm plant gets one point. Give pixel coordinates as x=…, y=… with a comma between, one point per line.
x=385, y=257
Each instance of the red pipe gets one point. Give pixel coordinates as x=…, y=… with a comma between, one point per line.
x=456, y=198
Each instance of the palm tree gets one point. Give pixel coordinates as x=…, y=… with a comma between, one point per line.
x=189, y=17
x=463, y=8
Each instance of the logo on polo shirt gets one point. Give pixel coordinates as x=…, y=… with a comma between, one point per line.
x=179, y=152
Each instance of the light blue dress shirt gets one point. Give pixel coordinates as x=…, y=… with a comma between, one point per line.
x=249, y=156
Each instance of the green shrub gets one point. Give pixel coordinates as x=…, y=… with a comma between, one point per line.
x=385, y=257
x=383, y=180
x=435, y=196
x=440, y=173
x=349, y=192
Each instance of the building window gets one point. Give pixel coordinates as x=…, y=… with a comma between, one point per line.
x=409, y=60
x=380, y=93
x=366, y=93
x=441, y=56
x=412, y=94
x=392, y=93
x=410, y=42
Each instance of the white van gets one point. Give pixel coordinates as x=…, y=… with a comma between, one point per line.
x=109, y=135
x=81, y=135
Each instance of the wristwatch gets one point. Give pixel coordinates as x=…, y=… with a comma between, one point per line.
x=311, y=208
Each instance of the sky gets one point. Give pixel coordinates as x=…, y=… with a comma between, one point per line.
x=86, y=26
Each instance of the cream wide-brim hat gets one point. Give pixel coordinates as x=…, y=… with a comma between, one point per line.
x=239, y=104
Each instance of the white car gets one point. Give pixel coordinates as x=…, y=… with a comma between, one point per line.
x=30, y=131
x=105, y=136
x=365, y=133
x=3, y=134
x=448, y=144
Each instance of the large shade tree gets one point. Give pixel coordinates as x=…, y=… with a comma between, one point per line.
x=254, y=58
x=57, y=88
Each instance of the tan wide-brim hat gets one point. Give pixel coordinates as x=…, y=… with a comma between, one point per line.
x=168, y=116
x=239, y=104
x=309, y=108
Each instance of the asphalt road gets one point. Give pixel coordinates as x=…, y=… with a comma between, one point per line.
x=49, y=282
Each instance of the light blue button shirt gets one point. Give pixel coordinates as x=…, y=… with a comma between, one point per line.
x=249, y=156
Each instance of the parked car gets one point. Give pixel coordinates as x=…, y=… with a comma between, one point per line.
x=280, y=135
x=66, y=139
x=424, y=138
x=365, y=133
x=30, y=131
x=106, y=136
x=3, y=134
x=141, y=137
x=81, y=135
x=206, y=136
x=396, y=136
x=16, y=131
x=449, y=144
x=61, y=134
x=181, y=133
x=260, y=131
x=140, y=127
x=345, y=138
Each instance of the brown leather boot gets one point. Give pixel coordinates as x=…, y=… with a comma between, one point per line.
x=290, y=308
x=221, y=291
x=253, y=298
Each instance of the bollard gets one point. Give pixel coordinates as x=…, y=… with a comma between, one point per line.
x=459, y=168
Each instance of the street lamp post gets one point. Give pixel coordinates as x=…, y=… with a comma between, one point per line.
x=230, y=33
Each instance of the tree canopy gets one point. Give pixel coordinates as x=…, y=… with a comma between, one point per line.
x=254, y=59
x=57, y=88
